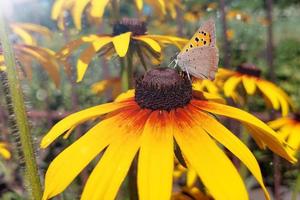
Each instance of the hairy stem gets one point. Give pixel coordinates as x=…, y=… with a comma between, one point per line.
x=16, y=94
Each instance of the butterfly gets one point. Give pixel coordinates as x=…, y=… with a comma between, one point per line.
x=200, y=56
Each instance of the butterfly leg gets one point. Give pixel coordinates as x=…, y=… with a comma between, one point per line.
x=171, y=62
x=187, y=72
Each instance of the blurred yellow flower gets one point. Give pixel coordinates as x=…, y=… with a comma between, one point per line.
x=248, y=75
x=148, y=119
x=127, y=34
x=4, y=152
x=95, y=9
x=161, y=7
x=238, y=15
x=288, y=129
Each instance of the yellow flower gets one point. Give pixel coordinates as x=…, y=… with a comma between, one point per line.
x=76, y=8
x=248, y=76
x=148, y=119
x=192, y=193
x=128, y=33
x=289, y=130
x=95, y=9
x=25, y=30
x=4, y=152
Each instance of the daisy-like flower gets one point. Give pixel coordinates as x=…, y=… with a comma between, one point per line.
x=288, y=129
x=127, y=34
x=147, y=120
x=248, y=76
x=4, y=152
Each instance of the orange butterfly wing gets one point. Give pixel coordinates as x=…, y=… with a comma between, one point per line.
x=205, y=36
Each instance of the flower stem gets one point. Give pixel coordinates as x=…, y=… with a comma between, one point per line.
x=31, y=172
x=296, y=188
x=124, y=75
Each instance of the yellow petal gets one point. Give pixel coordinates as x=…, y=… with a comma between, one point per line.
x=265, y=132
x=125, y=95
x=77, y=12
x=77, y=118
x=152, y=43
x=231, y=84
x=155, y=162
x=24, y=35
x=276, y=124
x=98, y=7
x=87, y=55
x=294, y=138
x=191, y=177
x=4, y=152
x=121, y=43
x=47, y=61
x=57, y=9
x=111, y=170
x=139, y=4
x=211, y=164
x=232, y=143
x=249, y=84
x=69, y=163
x=269, y=93
x=71, y=46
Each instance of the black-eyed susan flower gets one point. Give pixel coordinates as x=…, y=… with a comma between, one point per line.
x=145, y=121
x=128, y=35
x=248, y=76
x=4, y=152
x=288, y=129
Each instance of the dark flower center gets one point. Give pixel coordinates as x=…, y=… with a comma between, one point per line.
x=297, y=116
x=136, y=26
x=163, y=89
x=249, y=69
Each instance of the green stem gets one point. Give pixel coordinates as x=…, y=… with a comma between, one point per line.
x=116, y=10
x=130, y=68
x=20, y=113
x=124, y=75
x=296, y=188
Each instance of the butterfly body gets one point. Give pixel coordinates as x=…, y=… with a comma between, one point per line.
x=200, y=55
